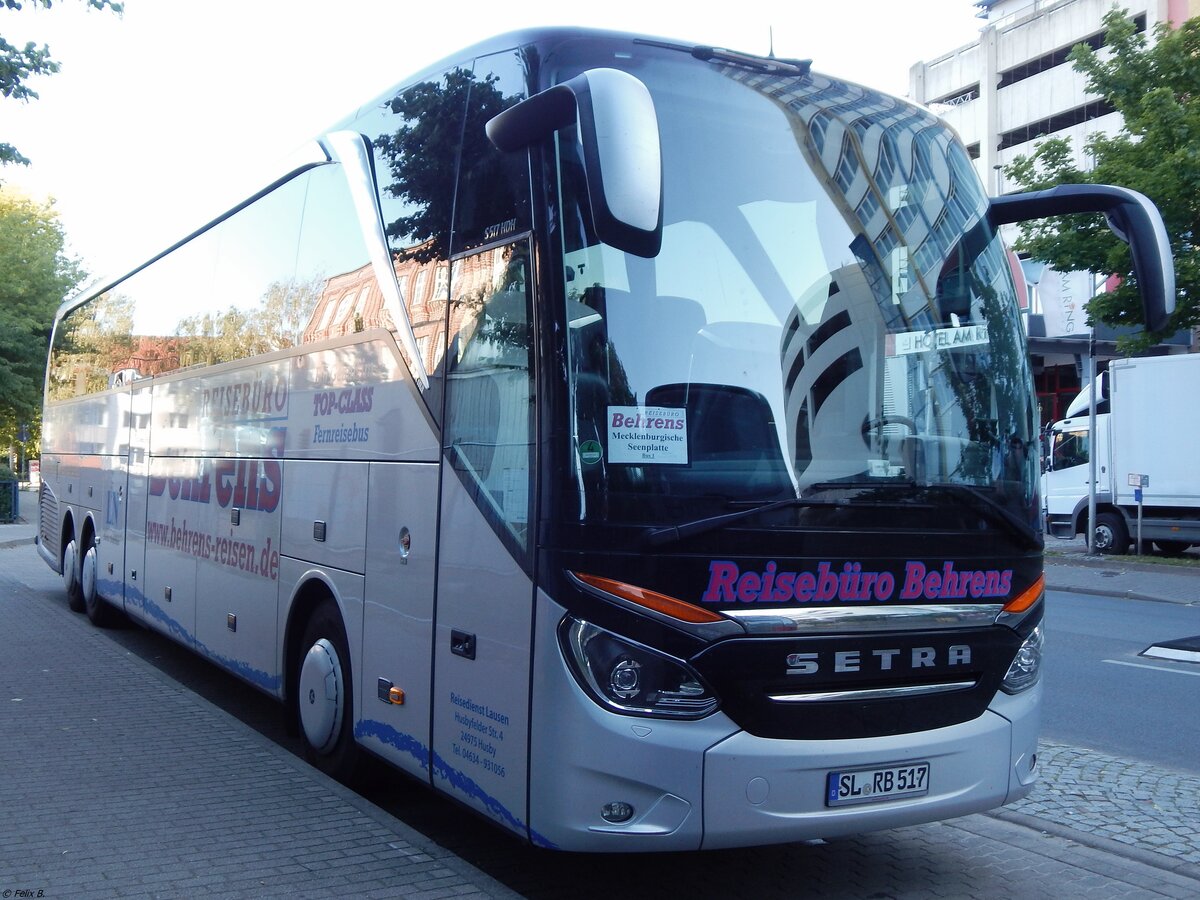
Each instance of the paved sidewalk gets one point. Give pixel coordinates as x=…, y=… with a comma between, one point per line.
x=24, y=530
x=1099, y=799
x=118, y=782
x=1070, y=568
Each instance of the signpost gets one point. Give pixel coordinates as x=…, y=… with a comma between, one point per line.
x=1138, y=482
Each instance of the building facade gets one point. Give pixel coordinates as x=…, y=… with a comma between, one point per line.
x=1006, y=92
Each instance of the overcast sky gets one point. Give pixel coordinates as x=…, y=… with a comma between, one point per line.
x=164, y=117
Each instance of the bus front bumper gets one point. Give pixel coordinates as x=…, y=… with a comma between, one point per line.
x=764, y=791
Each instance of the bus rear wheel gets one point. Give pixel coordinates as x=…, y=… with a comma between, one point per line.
x=70, y=576
x=324, y=696
x=99, y=611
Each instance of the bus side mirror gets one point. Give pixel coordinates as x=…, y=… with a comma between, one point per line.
x=622, y=156
x=1131, y=216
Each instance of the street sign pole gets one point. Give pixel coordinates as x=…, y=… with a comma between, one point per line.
x=1138, y=483
x=1091, y=533
x=1137, y=495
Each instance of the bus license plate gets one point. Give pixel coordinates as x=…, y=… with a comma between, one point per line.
x=876, y=785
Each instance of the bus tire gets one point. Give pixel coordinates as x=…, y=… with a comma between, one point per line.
x=70, y=576
x=324, y=695
x=99, y=611
x=1112, y=537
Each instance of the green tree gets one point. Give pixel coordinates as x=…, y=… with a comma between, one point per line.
x=420, y=157
x=35, y=276
x=1156, y=88
x=17, y=64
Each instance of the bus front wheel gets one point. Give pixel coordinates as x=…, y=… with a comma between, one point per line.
x=324, y=698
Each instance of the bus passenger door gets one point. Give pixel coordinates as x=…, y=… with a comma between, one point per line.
x=485, y=590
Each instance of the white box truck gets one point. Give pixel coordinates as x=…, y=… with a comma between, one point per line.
x=1143, y=441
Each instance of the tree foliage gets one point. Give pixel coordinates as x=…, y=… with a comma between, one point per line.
x=18, y=64
x=1156, y=88
x=35, y=276
x=421, y=152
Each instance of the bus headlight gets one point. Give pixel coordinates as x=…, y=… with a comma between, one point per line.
x=629, y=678
x=1026, y=666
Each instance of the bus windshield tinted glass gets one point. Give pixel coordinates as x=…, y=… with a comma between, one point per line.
x=829, y=307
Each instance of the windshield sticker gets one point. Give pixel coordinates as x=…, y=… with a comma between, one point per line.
x=939, y=339
x=647, y=434
x=728, y=584
x=590, y=453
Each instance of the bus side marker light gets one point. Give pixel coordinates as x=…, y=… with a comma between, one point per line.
x=1028, y=597
x=388, y=693
x=660, y=603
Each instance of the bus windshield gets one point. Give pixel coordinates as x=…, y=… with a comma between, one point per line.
x=830, y=311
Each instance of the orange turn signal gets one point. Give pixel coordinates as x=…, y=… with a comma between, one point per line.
x=660, y=603
x=1028, y=597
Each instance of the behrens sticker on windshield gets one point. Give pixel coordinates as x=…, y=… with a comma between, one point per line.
x=940, y=339
x=647, y=434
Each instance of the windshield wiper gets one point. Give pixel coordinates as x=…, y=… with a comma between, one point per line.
x=977, y=499
x=993, y=509
x=772, y=65
x=672, y=533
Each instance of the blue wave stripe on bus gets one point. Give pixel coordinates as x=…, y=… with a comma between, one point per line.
x=151, y=610
x=405, y=743
x=463, y=783
x=458, y=779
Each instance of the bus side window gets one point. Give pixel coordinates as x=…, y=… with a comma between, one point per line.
x=489, y=389
x=415, y=137
x=489, y=425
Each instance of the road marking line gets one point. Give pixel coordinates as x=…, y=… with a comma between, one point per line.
x=1158, y=652
x=1132, y=665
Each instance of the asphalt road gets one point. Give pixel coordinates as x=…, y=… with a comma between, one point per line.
x=1102, y=695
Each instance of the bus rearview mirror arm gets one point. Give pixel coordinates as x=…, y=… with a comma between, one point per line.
x=622, y=154
x=1131, y=216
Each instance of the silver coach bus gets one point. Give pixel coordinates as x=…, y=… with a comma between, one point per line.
x=633, y=440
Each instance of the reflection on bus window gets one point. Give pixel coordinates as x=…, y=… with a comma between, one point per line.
x=489, y=405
